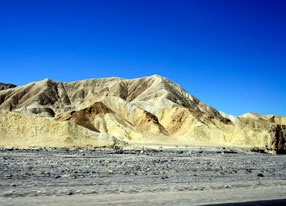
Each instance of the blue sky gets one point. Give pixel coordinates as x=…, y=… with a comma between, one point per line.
x=231, y=54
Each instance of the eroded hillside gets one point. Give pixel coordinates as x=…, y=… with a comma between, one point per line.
x=144, y=110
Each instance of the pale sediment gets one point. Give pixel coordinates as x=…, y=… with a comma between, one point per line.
x=111, y=111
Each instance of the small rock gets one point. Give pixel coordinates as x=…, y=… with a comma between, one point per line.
x=69, y=193
x=260, y=175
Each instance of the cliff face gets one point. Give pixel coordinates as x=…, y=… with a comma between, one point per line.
x=22, y=131
x=277, y=140
x=144, y=110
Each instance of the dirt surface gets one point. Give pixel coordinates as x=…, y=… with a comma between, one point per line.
x=180, y=176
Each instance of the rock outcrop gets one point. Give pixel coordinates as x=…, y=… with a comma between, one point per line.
x=22, y=131
x=6, y=86
x=144, y=110
x=278, y=138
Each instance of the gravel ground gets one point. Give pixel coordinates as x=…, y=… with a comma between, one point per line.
x=58, y=174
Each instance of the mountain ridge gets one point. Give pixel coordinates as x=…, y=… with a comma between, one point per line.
x=4, y=86
x=143, y=110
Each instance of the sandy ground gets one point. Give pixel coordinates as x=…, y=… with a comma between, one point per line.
x=181, y=176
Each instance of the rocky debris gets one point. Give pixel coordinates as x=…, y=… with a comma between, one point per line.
x=258, y=149
x=62, y=171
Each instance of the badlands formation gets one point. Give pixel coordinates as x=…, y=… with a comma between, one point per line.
x=116, y=112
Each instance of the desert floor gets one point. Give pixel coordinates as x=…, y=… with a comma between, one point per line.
x=162, y=176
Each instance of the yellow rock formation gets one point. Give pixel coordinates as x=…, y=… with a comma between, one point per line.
x=101, y=112
x=22, y=131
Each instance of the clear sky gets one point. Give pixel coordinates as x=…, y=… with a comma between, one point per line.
x=231, y=54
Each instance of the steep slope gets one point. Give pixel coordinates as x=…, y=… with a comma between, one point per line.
x=48, y=98
x=21, y=131
x=6, y=86
x=146, y=110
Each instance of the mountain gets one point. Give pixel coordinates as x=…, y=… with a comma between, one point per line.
x=6, y=86
x=148, y=110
